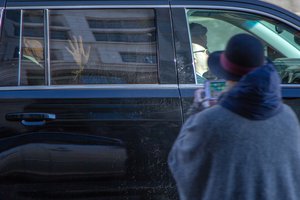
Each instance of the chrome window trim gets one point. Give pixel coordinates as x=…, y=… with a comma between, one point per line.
x=236, y=9
x=20, y=48
x=47, y=47
x=130, y=86
x=86, y=7
x=196, y=86
x=1, y=16
x=191, y=86
x=290, y=85
x=88, y=87
x=191, y=45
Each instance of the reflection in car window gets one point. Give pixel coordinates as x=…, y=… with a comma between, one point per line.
x=108, y=46
x=284, y=31
x=9, y=49
x=281, y=42
x=32, y=64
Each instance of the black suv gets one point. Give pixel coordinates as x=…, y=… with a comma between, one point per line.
x=93, y=93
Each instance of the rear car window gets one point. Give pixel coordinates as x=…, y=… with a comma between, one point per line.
x=71, y=47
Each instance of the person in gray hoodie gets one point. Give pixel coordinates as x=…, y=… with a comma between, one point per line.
x=247, y=146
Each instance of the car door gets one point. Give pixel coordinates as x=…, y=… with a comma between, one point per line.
x=276, y=28
x=89, y=100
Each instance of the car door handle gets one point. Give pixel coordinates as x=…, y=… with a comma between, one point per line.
x=30, y=119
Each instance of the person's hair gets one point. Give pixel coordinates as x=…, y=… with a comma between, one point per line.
x=197, y=29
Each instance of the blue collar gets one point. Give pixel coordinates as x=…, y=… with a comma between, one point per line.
x=257, y=95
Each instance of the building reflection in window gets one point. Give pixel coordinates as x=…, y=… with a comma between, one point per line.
x=33, y=61
x=9, y=48
x=107, y=46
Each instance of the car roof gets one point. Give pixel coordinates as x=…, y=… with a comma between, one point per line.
x=121, y=0
x=42, y=3
x=114, y=2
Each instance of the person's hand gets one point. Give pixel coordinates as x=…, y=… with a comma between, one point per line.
x=80, y=55
x=199, y=97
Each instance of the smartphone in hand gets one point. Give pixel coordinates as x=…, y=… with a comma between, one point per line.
x=213, y=89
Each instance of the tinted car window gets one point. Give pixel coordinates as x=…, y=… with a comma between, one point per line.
x=280, y=41
x=33, y=60
x=106, y=46
x=9, y=49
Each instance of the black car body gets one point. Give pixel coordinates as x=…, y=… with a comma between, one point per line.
x=93, y=93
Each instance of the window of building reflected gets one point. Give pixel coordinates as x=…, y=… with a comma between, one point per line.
x=105, y=46
x=33, y=40
x=9, y=49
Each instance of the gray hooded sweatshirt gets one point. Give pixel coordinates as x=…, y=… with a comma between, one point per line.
x=245, y=148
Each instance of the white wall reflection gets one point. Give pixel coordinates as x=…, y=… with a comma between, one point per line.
x=291, y=5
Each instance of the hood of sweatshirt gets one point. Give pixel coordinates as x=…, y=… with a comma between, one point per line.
x=257, y=96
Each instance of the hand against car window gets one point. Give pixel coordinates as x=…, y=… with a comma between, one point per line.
x=80, y=55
